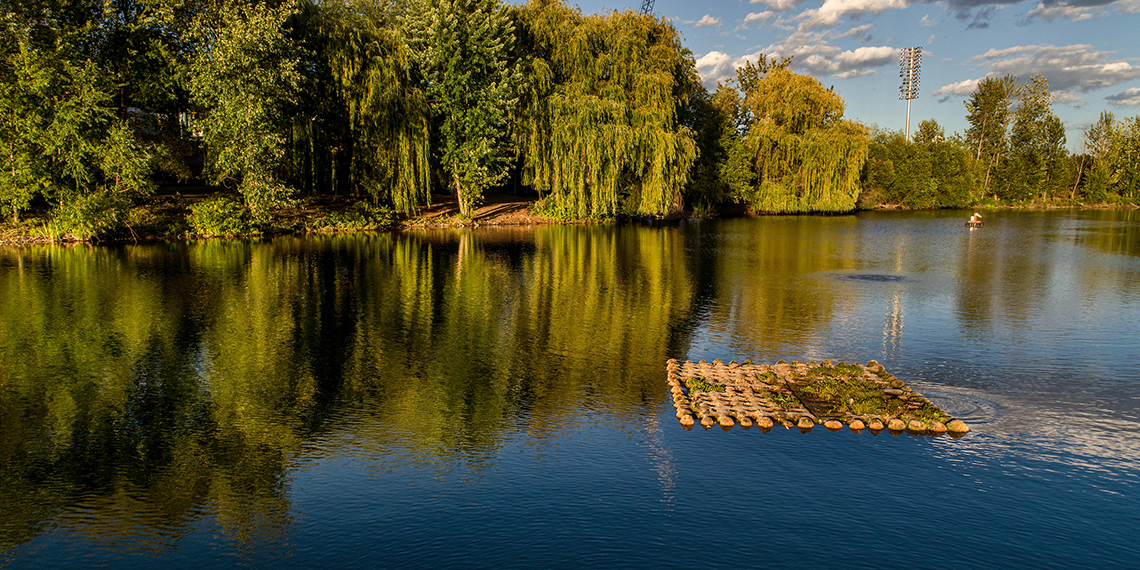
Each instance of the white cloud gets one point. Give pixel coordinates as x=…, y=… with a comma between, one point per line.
x=1068, y=68
x=776, y=5
x=715, y=66
x=754, y=17
x=800, y=51
x=867, y=56
x=927, y=21
x=1074, y=13
x=856, y=32
x=1128, y=98
x=964, y=87
x=999, y=53
x=850, y=63
x=855, y=73
x=931, y=40
x=1127, y=6
x=708, y=21
x=829, y=13
x=812, y=52
x=1067, y=97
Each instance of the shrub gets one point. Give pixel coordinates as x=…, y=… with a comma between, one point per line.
x=360, y=217
x=85, y=217
x=549, y=207
x=220, y=216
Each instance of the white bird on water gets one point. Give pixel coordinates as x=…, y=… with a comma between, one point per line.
x=975, y=221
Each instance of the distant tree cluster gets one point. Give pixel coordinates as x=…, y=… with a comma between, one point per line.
x=1013, y=152
x=1113, y=149
x=930, y=171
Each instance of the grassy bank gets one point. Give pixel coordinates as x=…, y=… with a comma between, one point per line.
x=189, y=216
x=172, y=216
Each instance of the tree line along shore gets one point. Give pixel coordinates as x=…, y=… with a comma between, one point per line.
x=303, y=115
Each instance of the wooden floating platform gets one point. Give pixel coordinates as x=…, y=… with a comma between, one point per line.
x=795, y=394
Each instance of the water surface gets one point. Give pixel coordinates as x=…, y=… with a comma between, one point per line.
x=496, y=398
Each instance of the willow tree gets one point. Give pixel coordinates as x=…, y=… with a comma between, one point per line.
x=720, y=120
x=375, y=111
x=800, y=155
x=464, y=49
x=598, y=127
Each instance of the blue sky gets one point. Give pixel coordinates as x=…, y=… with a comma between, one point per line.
x=1089, y=50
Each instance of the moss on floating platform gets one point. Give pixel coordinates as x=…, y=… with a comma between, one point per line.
x=802, y=395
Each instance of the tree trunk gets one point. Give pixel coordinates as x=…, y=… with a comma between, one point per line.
x=986, y=185
x=982, y=135
x=1080, y=169
x=464, y=207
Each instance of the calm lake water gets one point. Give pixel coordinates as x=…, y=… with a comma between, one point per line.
x=497, y=399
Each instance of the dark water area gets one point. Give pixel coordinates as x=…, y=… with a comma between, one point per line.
x=496, y=398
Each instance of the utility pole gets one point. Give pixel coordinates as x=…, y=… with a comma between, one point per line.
x=909, y=60
x=646, y=7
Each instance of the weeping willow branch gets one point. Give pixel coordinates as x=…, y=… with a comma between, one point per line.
x=598, y=130
x=378, y=103
x=801, y=156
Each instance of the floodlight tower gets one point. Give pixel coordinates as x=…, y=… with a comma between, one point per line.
x=909, y=60
x=646, y=7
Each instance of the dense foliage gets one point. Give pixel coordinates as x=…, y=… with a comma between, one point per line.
x=390, y=101
x=1012, y=153
x=1114, y=147
x=464, y=49
x=599, y=123
x=795, y=153
x=930, y=172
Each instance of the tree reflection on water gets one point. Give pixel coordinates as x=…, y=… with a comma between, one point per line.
x=146, y=388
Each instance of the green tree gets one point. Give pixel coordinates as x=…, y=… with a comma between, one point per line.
x=713, y=124
x=720, y=119
x=1055, y=157
x=601, y=121
x=24, y=108
x=144, y=48
x=929, y=131
x=988, y=112
x=932, y=173
x=1037, y=142
x=57, y=138
x=1099, y=140
x=465, y=51
x=375, y=113
x=126, y=164
x=1127, y=158
x=244, y=81
x=799, y=154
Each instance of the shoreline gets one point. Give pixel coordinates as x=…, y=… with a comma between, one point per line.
x=498, y=210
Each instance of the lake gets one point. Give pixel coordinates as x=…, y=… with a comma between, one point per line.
x=496, y=398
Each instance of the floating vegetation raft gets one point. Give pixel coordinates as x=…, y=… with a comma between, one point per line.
x=800, y=395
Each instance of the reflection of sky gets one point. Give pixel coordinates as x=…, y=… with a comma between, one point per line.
x=1023, y=332
x=1031, y=335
